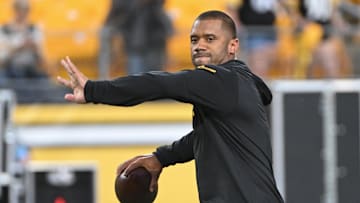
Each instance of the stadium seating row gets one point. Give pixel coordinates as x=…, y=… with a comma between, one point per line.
x=71, y=28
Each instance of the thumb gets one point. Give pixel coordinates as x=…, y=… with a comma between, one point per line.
x=153, y=183
x=69, y=97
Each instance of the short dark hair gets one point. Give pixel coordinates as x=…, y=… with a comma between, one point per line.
x=219, y=15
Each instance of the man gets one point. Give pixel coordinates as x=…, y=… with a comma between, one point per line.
x=23, y=63
x=321, y=50
x=145, y=29
x=21, y=54
x=230, y=141
x=257, y=21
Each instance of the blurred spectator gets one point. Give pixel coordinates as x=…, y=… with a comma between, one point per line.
x=23, y=67
x=350, y=11
x=258, y=35
x=21, y=55
x=321, y=50
x=114, y=25
x=145, y=28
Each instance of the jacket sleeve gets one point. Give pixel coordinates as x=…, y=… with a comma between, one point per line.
x=198, y=87
x=180, y=151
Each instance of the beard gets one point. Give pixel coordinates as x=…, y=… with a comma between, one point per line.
x=201, y=59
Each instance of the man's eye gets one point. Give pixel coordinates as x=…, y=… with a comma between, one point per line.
x=210, y=39
x=193, y=40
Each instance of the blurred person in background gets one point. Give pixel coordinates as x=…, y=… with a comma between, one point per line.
x=23, y=65
x=320, y=46
x=230, y=140
x=256, y=20
x=21, y=54
x=350, y=11
x=145, y=28
x=113, y=27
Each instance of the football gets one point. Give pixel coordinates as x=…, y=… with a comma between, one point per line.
x=134, y=188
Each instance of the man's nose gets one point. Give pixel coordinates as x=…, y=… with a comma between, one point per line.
x=201, y=45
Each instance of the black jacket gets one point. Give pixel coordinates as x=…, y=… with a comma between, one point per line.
x=230, y=141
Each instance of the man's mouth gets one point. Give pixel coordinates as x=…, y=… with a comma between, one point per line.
x=199, y=55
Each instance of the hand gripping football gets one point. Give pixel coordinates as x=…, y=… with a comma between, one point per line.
x=134, y=188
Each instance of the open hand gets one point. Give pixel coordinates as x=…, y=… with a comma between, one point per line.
x=76, y=83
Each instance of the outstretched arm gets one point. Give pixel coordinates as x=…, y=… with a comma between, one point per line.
x=197, y=86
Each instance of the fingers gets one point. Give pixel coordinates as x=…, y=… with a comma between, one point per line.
x=64, y=82
x=122, y=168
x=66, y=65
x=131, y=166
x=71, y=66
x=71, y=69
x=77, y=77
x=124, y=165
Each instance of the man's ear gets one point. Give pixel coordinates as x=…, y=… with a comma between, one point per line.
x=233, y=46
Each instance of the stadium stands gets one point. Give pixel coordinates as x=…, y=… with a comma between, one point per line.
x=71, y=28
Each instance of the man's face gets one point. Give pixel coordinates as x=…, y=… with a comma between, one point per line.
x=211, y=43
x=21, y=12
